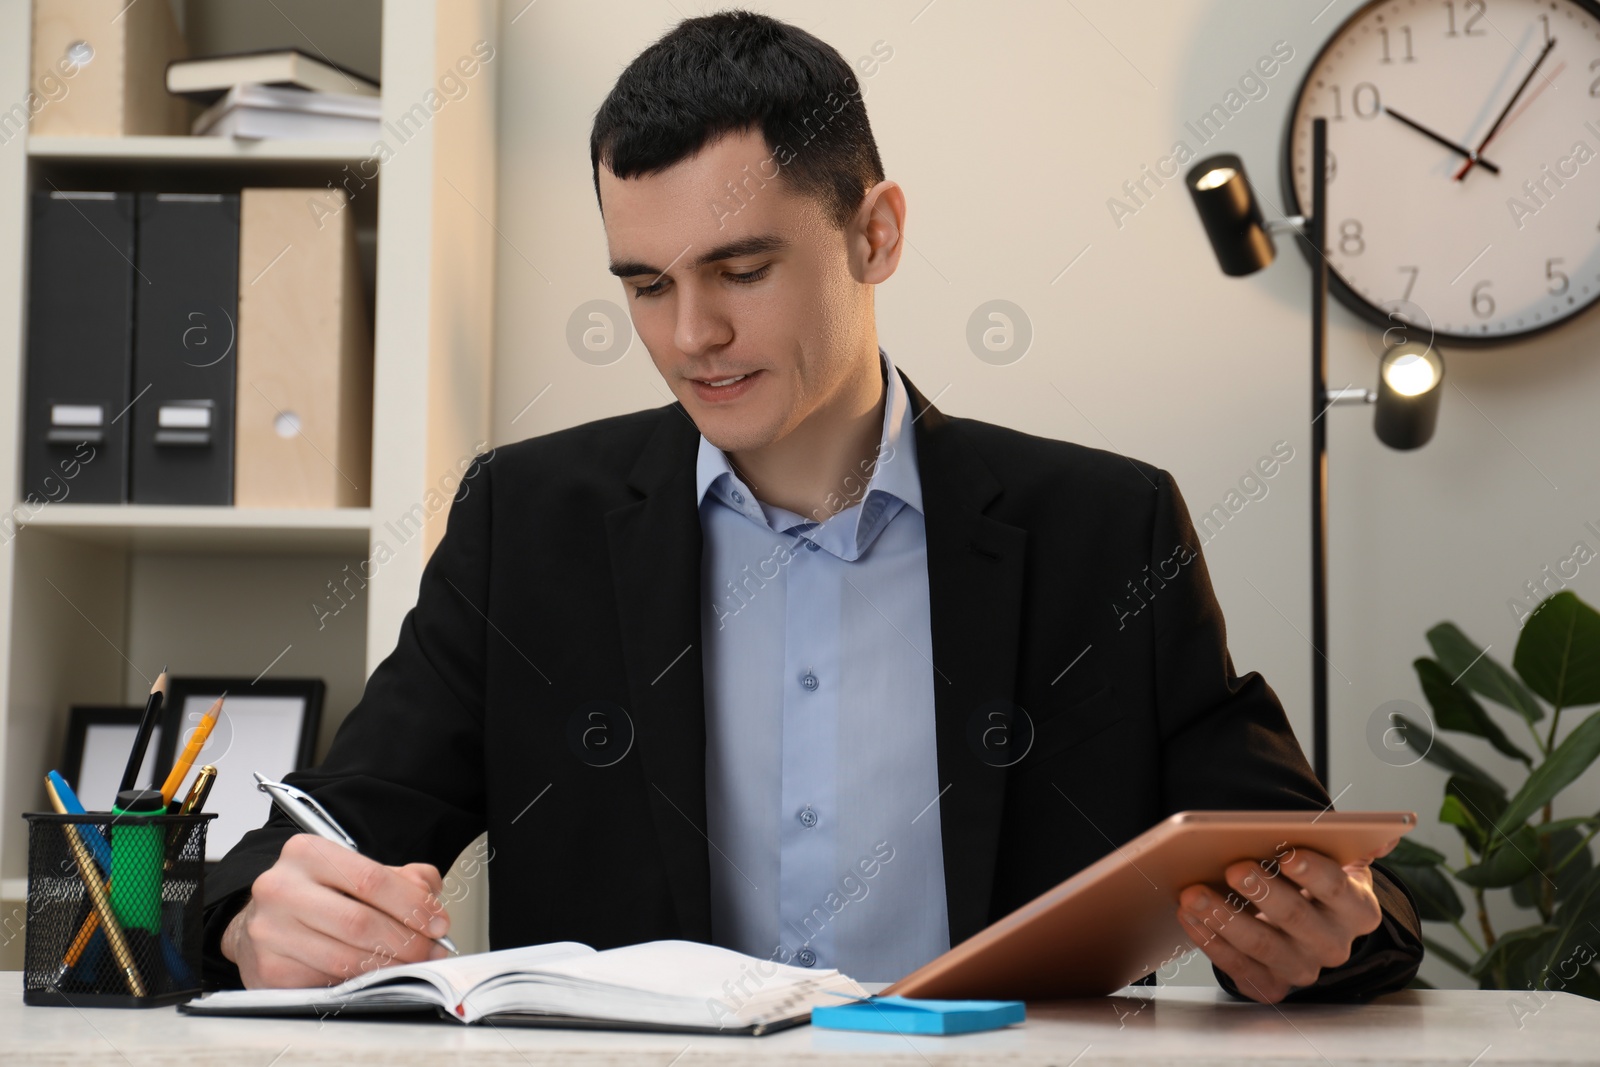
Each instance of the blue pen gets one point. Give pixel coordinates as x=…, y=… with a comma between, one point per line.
x=95, y=839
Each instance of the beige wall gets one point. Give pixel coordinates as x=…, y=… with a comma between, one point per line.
x=1009, y=125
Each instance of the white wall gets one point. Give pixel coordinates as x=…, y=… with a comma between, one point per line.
x=1010, y=125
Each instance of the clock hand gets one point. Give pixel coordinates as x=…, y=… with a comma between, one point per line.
x=1551, y=43
x=1527, y=101
x=1472, y=157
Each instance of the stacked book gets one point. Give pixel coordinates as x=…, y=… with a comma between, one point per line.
x=275, y=94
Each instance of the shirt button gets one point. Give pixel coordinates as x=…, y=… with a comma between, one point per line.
x=809, y=682
x=738, y=497
x=808, y=818
x=813, y=546
x=806, y=958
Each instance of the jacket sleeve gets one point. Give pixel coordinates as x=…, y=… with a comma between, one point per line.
x=404, y=772
x=1212, y=720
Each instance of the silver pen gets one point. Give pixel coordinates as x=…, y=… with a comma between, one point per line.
x=315, y=819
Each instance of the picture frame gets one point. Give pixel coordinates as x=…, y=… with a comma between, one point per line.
x=266, y=726
x=99, y=738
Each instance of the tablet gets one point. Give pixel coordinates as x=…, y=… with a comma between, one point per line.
x=1116, y=920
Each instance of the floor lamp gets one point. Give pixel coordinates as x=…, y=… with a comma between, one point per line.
x=1410, y=373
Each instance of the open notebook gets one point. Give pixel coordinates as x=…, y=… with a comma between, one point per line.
x=659, y=985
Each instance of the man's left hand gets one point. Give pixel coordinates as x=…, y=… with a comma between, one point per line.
x=1285, y=922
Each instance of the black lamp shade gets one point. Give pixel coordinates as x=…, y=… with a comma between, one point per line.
x=1410, y=384
x=1230, y=214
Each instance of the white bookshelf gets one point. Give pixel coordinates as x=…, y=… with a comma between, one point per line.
x=204, y=529
x=200, y=150
x=100, y=596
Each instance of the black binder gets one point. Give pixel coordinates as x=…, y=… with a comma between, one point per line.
x=80, y=319
x=184, y=349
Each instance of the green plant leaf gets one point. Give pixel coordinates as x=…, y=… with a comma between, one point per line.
x=1442, y=755
x=1436, y=897
x=1512, y=945
x=1557, y=843
x=1486, y=802
x=1454, y=813
x=1556, y=826
x=1570, y=876
x=1472, y=807
x=1524, y=965
x=1447, y=954
x=1460, y=656
x=1508, y=862
x=1412, y=854
x=1573, y=919
x=1558, y=654
x=1455, y=709
x=1530, y=891
x=1570, y=759
x=1586, y=983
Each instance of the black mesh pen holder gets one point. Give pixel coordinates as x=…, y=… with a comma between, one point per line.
x=114, y=909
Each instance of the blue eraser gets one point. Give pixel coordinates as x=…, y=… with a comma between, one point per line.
x=905, y=1015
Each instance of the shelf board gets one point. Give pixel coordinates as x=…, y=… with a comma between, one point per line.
x=208, y=150
x=210, y=529
x=13, y=889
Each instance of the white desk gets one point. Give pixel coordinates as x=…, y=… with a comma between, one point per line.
x=1177, y=1025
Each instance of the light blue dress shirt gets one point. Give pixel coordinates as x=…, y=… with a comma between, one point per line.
x=821, y=767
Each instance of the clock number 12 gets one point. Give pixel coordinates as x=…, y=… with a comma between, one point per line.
x=1477, y=8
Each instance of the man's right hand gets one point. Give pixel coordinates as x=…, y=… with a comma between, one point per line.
x=323, y=914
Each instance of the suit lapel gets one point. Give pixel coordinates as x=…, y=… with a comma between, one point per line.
x=975, y=582
x=655, y=546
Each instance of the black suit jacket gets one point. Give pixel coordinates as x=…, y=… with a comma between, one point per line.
x=569, y=573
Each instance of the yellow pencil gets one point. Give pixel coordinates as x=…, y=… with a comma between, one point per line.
x=197, y=741
x=80, y=943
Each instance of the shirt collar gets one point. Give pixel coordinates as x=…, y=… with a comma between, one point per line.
x=893, y=483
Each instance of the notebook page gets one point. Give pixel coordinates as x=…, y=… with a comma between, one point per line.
x=456, y=975
x=443, y=982
x=682, y=969
x=683, y=983
x=534, y=996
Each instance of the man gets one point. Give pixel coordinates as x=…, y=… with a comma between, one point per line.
x=798, y=664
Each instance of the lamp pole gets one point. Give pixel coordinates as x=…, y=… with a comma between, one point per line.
x=1409, y=373
x=1316, y=233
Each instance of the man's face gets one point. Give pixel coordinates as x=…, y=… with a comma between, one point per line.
x=757, y=284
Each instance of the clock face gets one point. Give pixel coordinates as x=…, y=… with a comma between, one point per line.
x=1464, y=163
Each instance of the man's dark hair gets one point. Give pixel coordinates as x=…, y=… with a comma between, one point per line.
x=734, y=71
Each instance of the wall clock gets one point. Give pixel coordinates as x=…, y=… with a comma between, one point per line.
x=1464, y=163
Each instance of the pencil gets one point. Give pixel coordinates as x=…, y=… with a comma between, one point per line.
x=91, y=923
x=197, y=741
x=147, y=725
